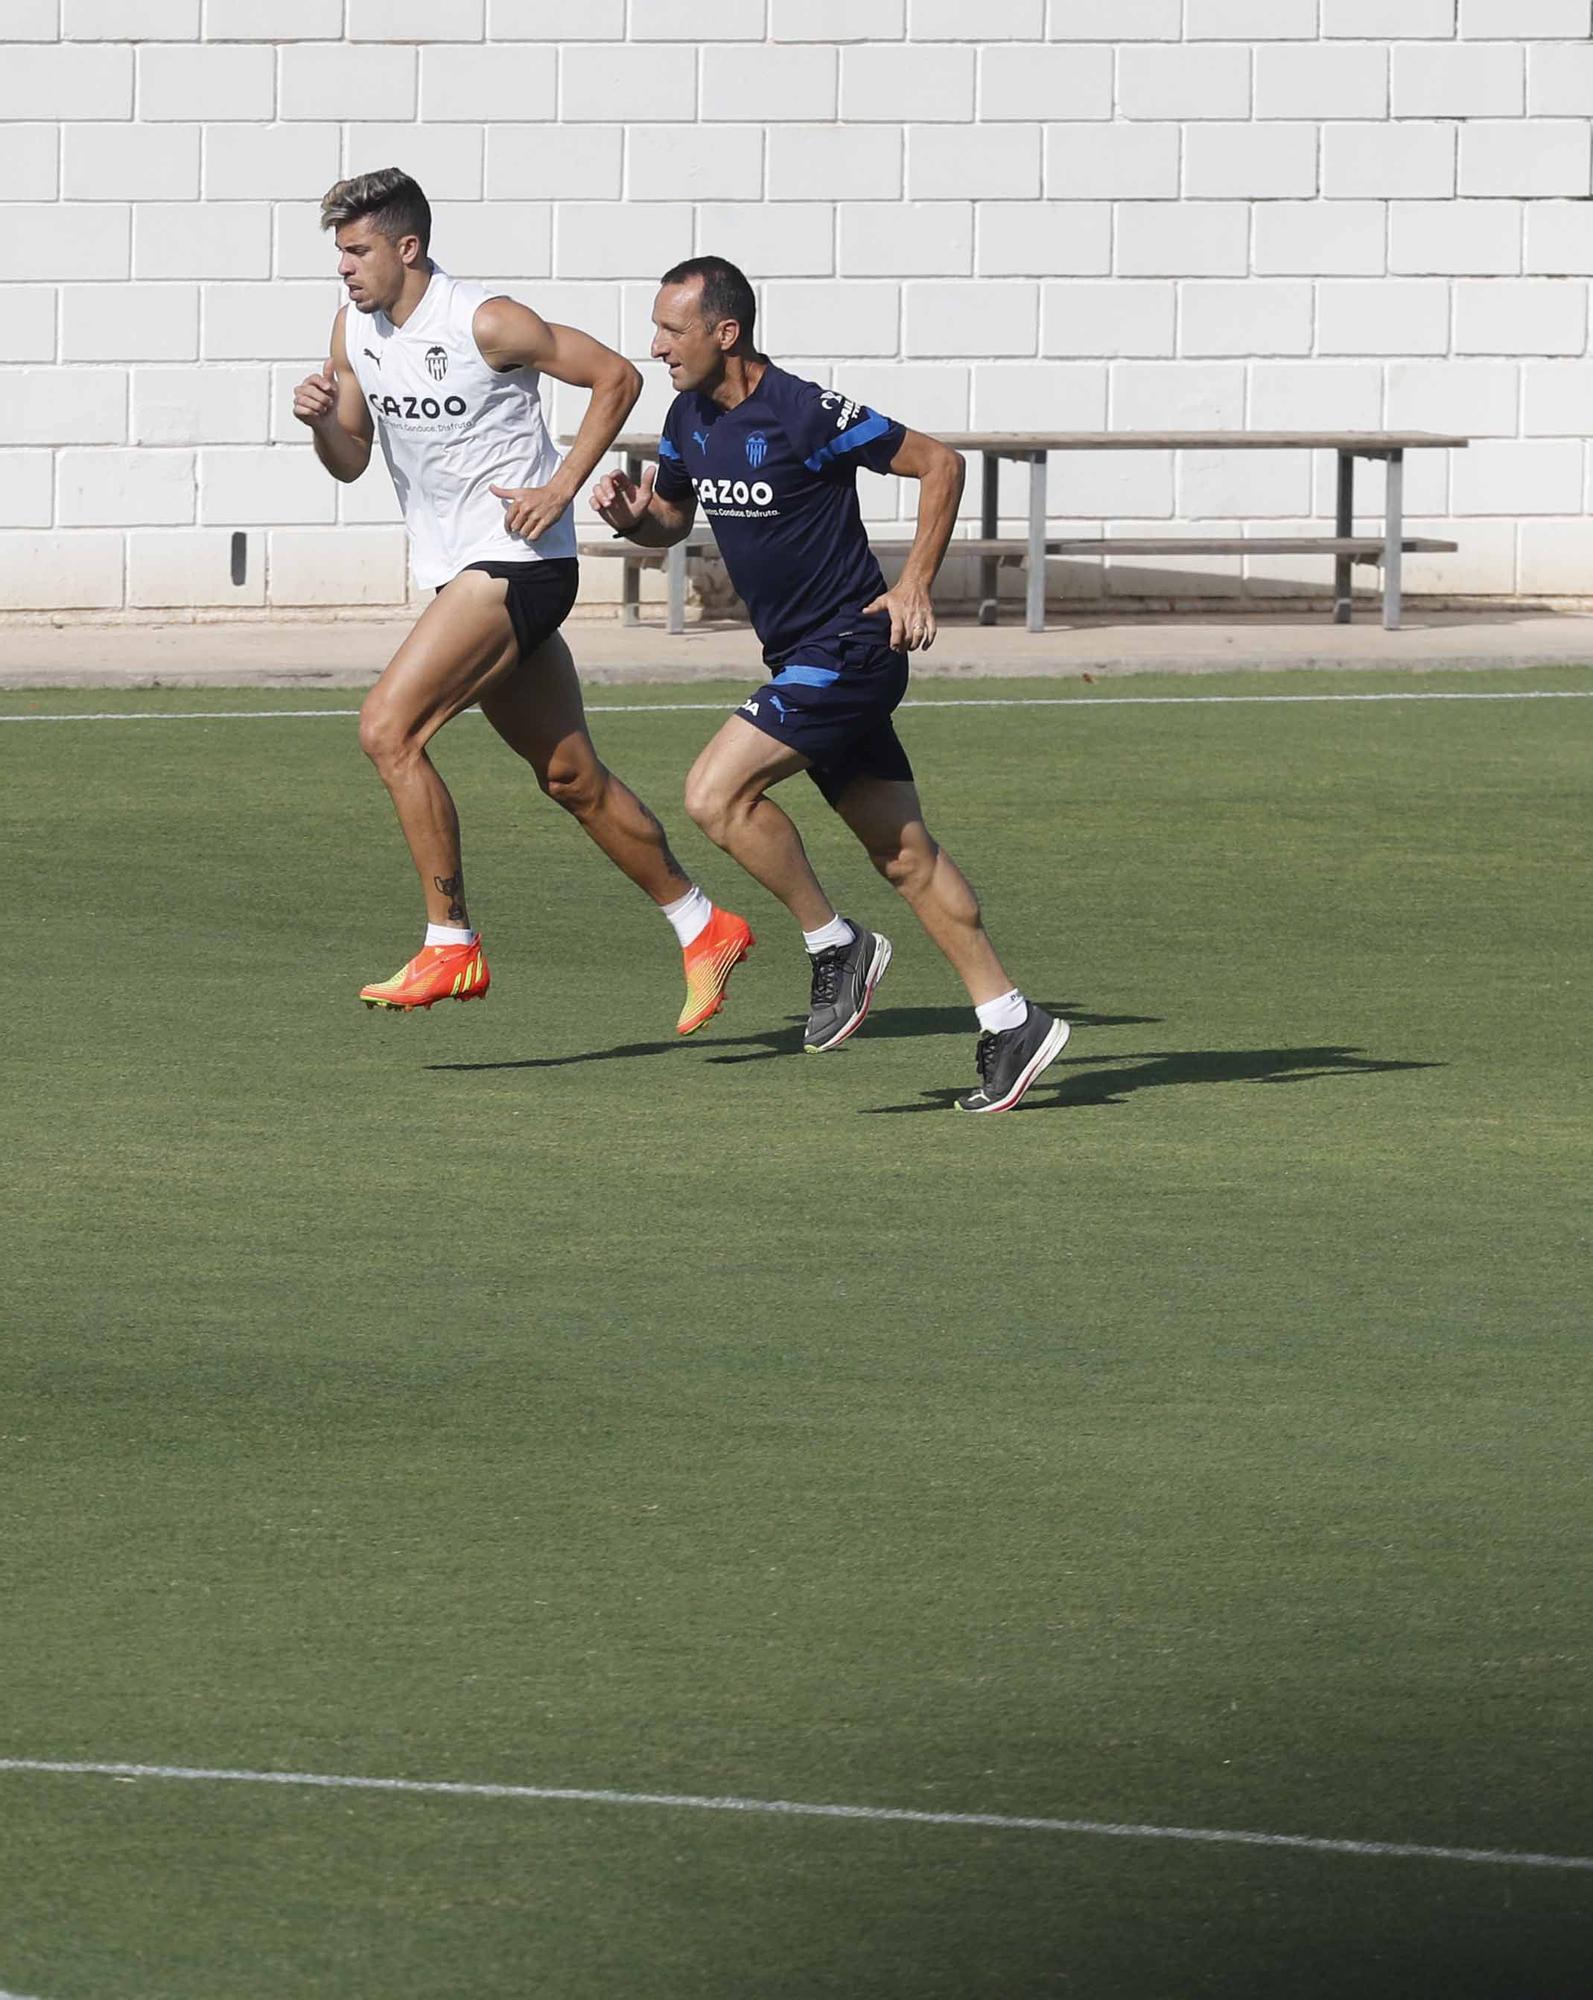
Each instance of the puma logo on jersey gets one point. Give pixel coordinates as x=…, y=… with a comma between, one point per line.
x=371, y=355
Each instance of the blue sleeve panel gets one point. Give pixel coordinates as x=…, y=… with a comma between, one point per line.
x=672, y=483
x=873, y=429
x=833, y=435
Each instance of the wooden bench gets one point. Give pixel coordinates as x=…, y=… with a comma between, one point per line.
x=1033, y=448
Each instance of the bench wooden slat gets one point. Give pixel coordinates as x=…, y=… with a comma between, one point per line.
x=1356, y=441
x=644, y=444
x=1366, y=548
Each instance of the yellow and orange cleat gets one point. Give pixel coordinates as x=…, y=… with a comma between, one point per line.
x=711, y=957
x=436, y=972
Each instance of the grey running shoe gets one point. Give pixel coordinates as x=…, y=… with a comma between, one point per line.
x=844, y=978
x=1010, y=1062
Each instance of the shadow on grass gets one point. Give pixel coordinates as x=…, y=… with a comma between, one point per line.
x=1074, y=1084
x=886, y=1025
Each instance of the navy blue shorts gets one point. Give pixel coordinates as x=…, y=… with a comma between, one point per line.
x=838, y=716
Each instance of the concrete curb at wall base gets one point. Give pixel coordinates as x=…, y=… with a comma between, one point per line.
x=351, y=653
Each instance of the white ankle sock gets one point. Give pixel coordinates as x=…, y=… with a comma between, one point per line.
x=836, y=931
x=1011, y=1010
x=690, y=914
x=449, y=934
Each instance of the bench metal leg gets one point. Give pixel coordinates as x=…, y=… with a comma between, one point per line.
x=1393, y=537
x=631, y=568
x=675, y=578
x=1344, y=525
x=989, y=526
x=1036, y=560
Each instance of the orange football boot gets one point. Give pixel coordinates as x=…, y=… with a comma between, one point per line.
x=436, y=972
x=711, y=957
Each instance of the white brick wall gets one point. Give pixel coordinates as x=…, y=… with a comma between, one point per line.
x=411, y=20
x=1044, y=238
x=1404, y=160
x=1161, y=239
x=1112, y=162
x=833, y=163
x=191, y=567
x=906, y=239
x=1129, y=316
x=130, y=162
x=1466, y=81
x=1321, y=82
x=1320, y=238
x=25, y=489
x=27, y=322
x=1529, y=157
x=1184, y=82
x=1402, y=20
x=1252, y=316
x=29, y=155
x=740, y=80
x=1560, y=80
x=45, y=80
x=1030, y=213
x=106, y=489
x=1559, y=239
x=1045, y=83
x=130, y=323
x=1479, y=398
x=65, y=569
x=1251, y=162
x=1455, y=238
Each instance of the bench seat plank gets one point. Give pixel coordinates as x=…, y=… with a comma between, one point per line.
x=1366, y=548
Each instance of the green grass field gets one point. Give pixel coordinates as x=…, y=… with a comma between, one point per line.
x=516, y=1394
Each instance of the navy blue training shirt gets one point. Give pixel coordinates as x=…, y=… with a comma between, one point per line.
x=777, y=476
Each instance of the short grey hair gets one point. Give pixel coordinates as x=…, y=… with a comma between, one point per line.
x=393, y=201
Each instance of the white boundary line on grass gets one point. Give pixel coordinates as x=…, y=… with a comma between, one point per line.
x=982, y=701
x=793, y=1809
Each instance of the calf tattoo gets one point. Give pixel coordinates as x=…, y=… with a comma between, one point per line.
x=453, y=887
x=657, y=826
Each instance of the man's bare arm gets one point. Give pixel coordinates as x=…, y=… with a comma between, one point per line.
x=511, y=335
x=332, y=404
x=940, y=473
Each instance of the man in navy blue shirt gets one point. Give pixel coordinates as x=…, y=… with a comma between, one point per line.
x=773, y=461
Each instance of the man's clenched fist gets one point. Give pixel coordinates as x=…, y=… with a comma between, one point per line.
x=315, y=399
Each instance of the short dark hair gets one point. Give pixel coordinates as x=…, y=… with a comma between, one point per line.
x=391, y=199
x=726, y=292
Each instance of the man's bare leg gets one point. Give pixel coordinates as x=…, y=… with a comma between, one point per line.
x=887, y=818
x=725, y=795
x=1018, y=1040
x=461, y=644
x=538, y=712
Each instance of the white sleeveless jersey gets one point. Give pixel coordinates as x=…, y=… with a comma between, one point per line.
x=451, y=426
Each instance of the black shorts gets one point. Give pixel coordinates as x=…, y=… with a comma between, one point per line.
x=838, y=716
x=541, y=596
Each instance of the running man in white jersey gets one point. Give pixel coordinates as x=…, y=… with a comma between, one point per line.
x=446, y=376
